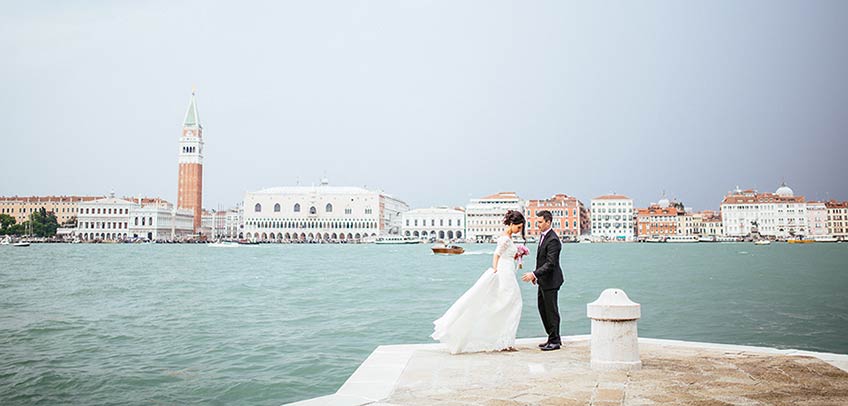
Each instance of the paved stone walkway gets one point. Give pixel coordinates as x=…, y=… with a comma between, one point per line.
x=677, y=375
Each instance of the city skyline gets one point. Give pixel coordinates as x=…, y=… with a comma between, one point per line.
x=468, y=99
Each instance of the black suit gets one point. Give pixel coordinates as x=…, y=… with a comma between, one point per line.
x=549, y=279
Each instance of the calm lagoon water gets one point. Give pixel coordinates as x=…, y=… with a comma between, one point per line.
x=270, y=324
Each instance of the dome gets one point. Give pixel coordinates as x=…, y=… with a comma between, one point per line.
x=664, y=203
x=784, y=191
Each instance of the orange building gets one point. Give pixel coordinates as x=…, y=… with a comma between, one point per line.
x=190, y=187
x=657, y=220
x=63, y=207
x=570, y=217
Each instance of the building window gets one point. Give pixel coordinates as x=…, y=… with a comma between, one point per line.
x=348, y=211
x=368, y=211
x=257, y=208
x=313, y=210
x=277, y=208
x=297, y=207
x=329, y=208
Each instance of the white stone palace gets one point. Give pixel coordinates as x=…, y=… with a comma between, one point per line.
x=442, y=223
x=485, y=216
x=320, y=213
x=780, y=214
x=116, y=219
x=612, y=218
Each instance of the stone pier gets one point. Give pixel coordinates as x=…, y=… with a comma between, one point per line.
x=673, y=373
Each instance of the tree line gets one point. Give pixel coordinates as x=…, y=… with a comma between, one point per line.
x=41, y=223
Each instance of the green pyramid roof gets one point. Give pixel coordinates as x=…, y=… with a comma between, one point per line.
x=192, y=119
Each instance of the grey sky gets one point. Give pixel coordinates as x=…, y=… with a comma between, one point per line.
x=433, y=102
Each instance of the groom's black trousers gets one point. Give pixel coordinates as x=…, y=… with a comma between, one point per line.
x=549, y=310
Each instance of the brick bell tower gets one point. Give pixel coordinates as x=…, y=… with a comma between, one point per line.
x=190, y=188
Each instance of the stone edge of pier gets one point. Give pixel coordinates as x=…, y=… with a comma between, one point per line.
x=377, y=377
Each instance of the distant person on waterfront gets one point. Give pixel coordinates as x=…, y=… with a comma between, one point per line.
x=548, y=277
x=486, y=316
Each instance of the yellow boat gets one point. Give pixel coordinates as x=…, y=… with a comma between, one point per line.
x=800, y=241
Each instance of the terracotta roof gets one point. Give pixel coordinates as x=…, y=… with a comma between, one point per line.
x=49, y=198
x=502, y=195
x=833, y=204
x=611, y=197
x=761, y=198
x=658, y=211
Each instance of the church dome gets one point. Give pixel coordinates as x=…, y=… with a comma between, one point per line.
x=664, y=203
x=784, y=191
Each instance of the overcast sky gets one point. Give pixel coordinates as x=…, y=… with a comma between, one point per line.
x=433, y=102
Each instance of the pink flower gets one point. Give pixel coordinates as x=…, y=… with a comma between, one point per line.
x=521, y=251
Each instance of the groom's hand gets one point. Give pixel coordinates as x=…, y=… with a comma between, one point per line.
x=529, y=277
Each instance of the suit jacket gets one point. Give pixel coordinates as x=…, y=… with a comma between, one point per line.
x=548, y=272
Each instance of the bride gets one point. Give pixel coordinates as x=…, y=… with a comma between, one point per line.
x=485, y=318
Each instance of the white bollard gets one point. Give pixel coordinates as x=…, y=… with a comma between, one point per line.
x=615, y=343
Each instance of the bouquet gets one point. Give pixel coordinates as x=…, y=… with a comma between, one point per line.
x=522, y=251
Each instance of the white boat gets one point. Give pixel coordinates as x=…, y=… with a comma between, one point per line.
x=6, y=241
x=21, y=244
x=711, y=238
x=682, y=238
x=762, y=242
x=826, y=239
x=223, y=244
x=654, y=239
x=395, y=240
x=726, y=239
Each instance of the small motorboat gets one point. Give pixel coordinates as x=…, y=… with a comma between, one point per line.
x=447, y=249
x=762, y=242
x=21, y=244
x=800, y=241
x=223, y=244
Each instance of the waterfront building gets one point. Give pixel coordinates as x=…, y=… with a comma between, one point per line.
x=214, y=224
x=658, y=220
x=817, y=219
x=320, y=213
x=711, y=224
x=104, y=219
x=570, y=217
x=116, y=219
x=442, y=223
x=234, y=222
x=780, y=214
x=190, y=182
x=837, y=219
x=484, y=216
x=612, y=218
x=63, y=207
x=159, y=220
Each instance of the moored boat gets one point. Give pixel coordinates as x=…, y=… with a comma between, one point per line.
x=223, y=244
x=800, y=241
x=395, y=240
x=762, y=242
x=682, y=238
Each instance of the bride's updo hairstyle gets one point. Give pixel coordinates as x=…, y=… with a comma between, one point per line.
x=515, y=217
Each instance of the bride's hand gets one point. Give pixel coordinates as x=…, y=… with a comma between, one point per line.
x=494, y=270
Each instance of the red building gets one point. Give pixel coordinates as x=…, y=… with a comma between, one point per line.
x=570, y=217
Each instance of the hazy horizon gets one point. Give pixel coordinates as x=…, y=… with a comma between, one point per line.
x=433, y=102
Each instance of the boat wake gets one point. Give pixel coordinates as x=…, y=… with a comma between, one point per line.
x=478, y=253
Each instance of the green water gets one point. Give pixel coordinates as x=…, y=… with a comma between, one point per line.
x=270, y=324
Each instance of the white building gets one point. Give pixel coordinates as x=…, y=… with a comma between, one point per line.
x=484, y=217
x=104, y=219
x=780, y=214
x=320, y=213
x=115, y=219
x=612, y=218
x=158, y=220
x=442, y=223
x=234, y=223
x=817, y=219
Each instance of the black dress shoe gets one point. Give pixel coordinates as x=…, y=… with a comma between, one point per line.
x=550, y=347
x=543, y=345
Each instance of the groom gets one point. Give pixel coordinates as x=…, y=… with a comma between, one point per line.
x=548, y=276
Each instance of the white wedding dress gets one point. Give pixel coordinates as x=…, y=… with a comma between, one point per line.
x=485, y=318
